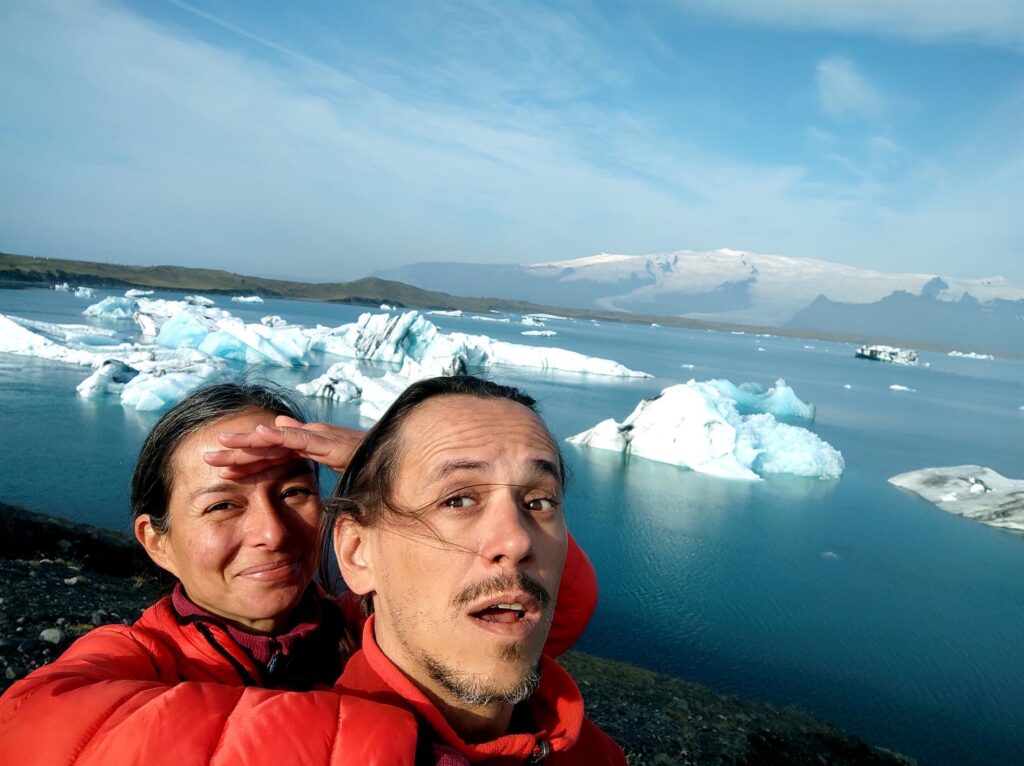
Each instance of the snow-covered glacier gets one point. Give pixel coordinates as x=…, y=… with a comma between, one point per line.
x=718, y=428
x=971, y=491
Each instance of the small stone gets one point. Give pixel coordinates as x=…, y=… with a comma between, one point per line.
x=53, y=635
x=97, y=617
x=71, y=580
x=11, y=673
x=60, y=620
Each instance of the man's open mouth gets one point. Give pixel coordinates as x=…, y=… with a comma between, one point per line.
x=503, y=612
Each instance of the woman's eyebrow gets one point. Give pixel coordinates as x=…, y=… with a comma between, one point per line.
x=295, y=469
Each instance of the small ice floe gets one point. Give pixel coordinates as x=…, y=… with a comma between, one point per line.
x=62, y=287
x=388, y=307
x=898, y=387
x=110, y=378
x=135, y=293
x=737, y=332
x=970, y=355
x=198, y=300
x=971, y=491
x=718, y=428
x=442, y=313
x=114, y=307
x=655, y=324
x=687, y=366
x=477, y=317
x=891, y=354
x=247, y=299
x=544, y=317
x=531, y=321
x=809, y=347
x=540, y=333
x=829, y=555
x=273, y=320
x=760, y=348
x=85, y=292
x=847, y=386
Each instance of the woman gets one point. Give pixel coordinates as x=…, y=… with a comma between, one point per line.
x=199, y=677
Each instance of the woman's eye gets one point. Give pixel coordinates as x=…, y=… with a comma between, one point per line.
x=459, y=501
x=297, y=492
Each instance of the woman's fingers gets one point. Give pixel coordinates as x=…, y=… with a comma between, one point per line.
x=256, y=450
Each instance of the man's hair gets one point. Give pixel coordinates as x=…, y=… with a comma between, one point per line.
x=153, y=478
x=365, y=488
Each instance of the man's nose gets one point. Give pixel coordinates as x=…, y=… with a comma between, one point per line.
x=508, y=532
x=266, y=526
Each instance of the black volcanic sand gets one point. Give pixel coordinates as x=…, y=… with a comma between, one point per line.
x=59, y=580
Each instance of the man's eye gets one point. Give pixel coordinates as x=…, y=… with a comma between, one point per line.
x=459, y=501
x=542, y=504
x=298, y=491
x=224, y=505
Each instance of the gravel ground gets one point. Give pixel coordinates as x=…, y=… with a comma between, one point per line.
x=79, y=578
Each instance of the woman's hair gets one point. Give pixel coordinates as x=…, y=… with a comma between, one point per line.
x=364, y=490
x=153, y=477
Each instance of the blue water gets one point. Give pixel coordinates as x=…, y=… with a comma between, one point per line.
x=910, y=633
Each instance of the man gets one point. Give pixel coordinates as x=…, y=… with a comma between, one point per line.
x=449, y=522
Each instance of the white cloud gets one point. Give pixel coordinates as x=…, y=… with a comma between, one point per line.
x=845, y=93
x=988, y=22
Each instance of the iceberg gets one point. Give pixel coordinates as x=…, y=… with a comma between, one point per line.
x=134, y=293
x=532, y=321
x=62, y=287
x=891, y=354
x=16, y=339
x=273, y=320
x=504, y=320
x=111, y=377
x=971, y=491
x=198, y=300
x=247, y=299
x=185, y=329
x=113, y=307
x=154, y=391
x=898, y=387
x=699, y=425
x=452, y=313
x=970, y=355
x=83, y=334
x=540, y=333
x=256, y=343
x=85, y=292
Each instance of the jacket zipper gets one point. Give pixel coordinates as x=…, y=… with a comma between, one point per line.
x=541, y=751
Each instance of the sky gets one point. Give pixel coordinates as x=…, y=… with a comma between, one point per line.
x=327, y=140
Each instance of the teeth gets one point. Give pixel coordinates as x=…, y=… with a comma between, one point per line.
x=515, y=607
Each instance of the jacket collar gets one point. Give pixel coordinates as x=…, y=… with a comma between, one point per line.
x=556, y=707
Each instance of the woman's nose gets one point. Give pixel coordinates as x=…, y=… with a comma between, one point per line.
x=266, y=525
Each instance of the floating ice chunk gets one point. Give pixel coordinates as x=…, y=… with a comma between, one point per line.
x=247, y=299
x=655, y=324
x=830, y=555
x=198, y=300
x=85, y=292
x=686, y=366
x=498, y=352
x=185, y=329
x=110, y=378
x=134, y=293
x=697, y=426
x=153, y=391
x=16, y=339
x=82, y=334
x=62, y=287
x=971, y=355
x=273, y=320
x=891, y=354
x=543, y=317
x=388, y=307
x=971, y=491
x=335, y=384
x=532, y=321
x=752, y=398
x=504, y=320
x=809, y=347
x=847, y=386
x=540, y=333
x=113, y=307
x=257, y=344
x=759, y=348
x=898, y=387
x=452, y=313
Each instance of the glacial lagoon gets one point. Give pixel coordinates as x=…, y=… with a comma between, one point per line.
x=850, y=598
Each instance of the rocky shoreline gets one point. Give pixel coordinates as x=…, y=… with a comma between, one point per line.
x=59, y=580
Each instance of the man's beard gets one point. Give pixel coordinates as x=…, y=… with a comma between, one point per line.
x=469, y=690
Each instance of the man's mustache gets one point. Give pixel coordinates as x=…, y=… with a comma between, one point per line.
x=500, y=584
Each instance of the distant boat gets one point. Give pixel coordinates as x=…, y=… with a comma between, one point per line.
x=889, y=354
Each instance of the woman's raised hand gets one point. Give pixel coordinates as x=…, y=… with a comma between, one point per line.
x=255, y=451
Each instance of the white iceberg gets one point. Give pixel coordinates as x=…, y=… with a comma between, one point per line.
x=504, y=320
x=971, y=491
x=135, y=293
x=540, y=333
x=62, y=287
x=891, y=354
x=247, y=299
x=698, y=425
x=16, y=339
x=198, y=300
x=110, y=378
x=85, y=292
x=273, y=320
x=154, y=391
x=113, y=307
x=898, y=387
x=442, y=313
x=532, y=321
x=971, y=355
x=752, y=398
